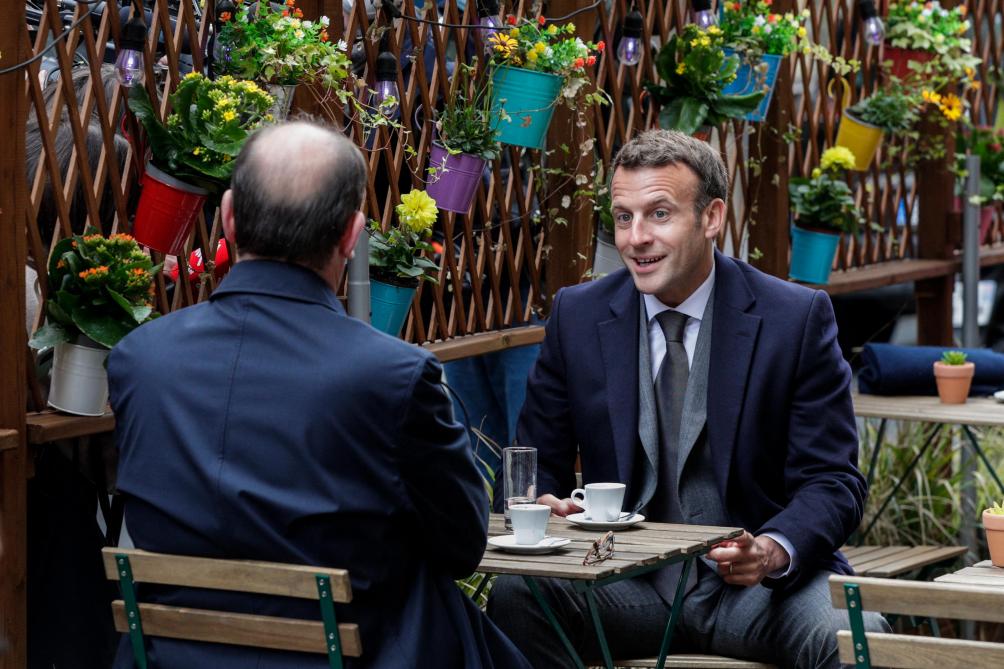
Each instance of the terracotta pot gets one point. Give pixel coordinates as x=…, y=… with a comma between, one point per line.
x=953, y=381
x=994, y=525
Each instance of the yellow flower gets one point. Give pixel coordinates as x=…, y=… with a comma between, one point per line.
x=951, y=107
x=502, y=44
x=197, y=151
x=930, y=96
x=417, y=211
x=229, y=115
x=802, y=32
x=552, y=29
x=540, y=47
x=837, y=157
x=705, y=41
x=816, y=173
x=681, y=68
x=192, y=75
x=714, y=30
x=513, y=33
x=531, y=56
x=694, y=43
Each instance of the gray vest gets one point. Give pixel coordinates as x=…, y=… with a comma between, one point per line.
x=699, y=498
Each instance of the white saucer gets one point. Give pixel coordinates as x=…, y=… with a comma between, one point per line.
x=627, y=519
x=507, y=542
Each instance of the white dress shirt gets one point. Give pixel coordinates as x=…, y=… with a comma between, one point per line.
x=693, y=307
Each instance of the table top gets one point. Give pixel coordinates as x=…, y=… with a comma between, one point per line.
x=641, y=545
x=981, y=574
x=976, y=411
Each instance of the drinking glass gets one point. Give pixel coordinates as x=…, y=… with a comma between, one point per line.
x=519, y=482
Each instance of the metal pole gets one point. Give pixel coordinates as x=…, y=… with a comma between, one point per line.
x=359, y=280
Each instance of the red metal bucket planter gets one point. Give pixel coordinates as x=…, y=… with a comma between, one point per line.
x=901, y=59
x=167, y=209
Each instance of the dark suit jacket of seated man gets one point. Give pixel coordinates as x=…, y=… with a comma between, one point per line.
x=266, y=424
x=763, y=436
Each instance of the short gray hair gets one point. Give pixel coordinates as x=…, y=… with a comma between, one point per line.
x=658, y=148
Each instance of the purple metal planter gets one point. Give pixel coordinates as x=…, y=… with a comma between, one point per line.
x=455, y=180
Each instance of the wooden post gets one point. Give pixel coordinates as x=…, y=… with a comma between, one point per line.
x=13, y=374
x=935, y=184
x=569, y=243
x=768, y=229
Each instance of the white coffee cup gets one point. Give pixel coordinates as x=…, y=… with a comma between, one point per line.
x=602, y=501
x=529, y=522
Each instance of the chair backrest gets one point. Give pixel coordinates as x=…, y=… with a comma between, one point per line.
x=932, y=600
x=327, y=586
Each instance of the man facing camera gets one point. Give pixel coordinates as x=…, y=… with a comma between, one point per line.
x=266, y=424
x=718, y=395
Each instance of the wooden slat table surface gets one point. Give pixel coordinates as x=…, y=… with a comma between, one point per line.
x=643, y=544
x=981, y=574
x=976, y=411
x=889, y=561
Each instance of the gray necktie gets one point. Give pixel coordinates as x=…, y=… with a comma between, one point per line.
x=670, y=392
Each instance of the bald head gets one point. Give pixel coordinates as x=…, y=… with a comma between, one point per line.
x=295, y=189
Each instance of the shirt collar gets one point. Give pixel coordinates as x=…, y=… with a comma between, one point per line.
x=692, y=307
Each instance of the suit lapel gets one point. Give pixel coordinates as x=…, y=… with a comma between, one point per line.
x=733, y=341
x=619, y=346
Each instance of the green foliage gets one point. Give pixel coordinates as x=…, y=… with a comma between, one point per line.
x=750, y=27
x=953, y=358
x=397, y=256
x=988, y=144
x=465, y=124
x=273, y=47
x=824, y=200
x=927, y=26
x=99, y=287
x=551, y=48
x=209, y=125
x=694, y=71
x=894, y=109
x=996, y=509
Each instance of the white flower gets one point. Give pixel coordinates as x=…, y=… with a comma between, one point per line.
x=566, y=202
x=572, y=87
x=760, y=20
x=324, y=21
x=298, y=34
x=342, y=46
x=580, y=179
x=548, y=52
x=295, y=23
x=768, y=28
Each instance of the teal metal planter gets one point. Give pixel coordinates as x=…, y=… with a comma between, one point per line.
x=812, y=255
x=528, y=98
x=389, y=306
x=748, y=79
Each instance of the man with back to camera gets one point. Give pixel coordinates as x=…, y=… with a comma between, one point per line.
x=266, y=424
x=718, y=395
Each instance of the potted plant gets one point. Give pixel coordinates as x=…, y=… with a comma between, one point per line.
x=397, y=261
x=993, y=523
x=988, y=145
x=193, y=152
x=100, y=289
x=953, y=376
x=893, y=110
x=535, y=65
x=607, y=258
x=695, y=72
x=279, y=49
x=824, y=208
x=920, y=32
x=466, y=142
x=761, y=39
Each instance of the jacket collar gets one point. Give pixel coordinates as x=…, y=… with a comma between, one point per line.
x=278, y=279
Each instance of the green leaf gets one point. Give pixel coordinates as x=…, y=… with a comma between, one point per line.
x=48, y=336
x=138, y=313
x=100, y=327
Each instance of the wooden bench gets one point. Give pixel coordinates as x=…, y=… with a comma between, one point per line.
x=937, y=600
x=329, y=586
x=695, y=662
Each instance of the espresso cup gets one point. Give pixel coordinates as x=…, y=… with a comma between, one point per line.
x=529, y=522
x=602, y=501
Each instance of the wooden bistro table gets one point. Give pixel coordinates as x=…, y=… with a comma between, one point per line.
x=639, y=549
x=982, y=575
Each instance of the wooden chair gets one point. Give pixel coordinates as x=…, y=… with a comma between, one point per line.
x=936, y=600
x=328, y=586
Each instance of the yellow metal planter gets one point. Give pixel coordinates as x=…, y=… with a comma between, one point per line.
x=863, y=139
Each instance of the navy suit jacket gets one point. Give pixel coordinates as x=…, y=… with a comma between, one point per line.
x=780, y=422
x=266, y=424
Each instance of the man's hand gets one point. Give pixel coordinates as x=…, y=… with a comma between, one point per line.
x=747, y=560
x=559, y=507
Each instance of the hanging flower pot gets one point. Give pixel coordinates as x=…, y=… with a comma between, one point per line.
x=606, y=259
x=703, y=133
x=456, y=178
x=901, y=59
x=79, y=382
x=167, y=209
x=389, y=305
x=282, y=94
x=993, y=523
x=812, y=254
x=527, y=97
x=863, y=139
x=751, y=77
x=986, y=216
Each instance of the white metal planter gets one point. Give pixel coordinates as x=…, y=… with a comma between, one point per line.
x=79, y=382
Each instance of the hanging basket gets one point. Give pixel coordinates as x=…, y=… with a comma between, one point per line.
x=167, y=209
x=456, y=178
x=753, y=77
x=389, y=305
x=528, y=98
x=901, y=59
x=812, y=255
x=79, y=382
x=863, y=139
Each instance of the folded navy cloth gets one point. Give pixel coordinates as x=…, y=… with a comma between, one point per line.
x=909, y=370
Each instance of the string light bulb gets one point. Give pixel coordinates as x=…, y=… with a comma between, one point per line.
x=874, y=28
x=386, y=84
x=704, y=18
x=129, y=68
x=629, y=49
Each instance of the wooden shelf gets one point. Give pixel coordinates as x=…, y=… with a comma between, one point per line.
x=8, y=440
x=887, y=274
x=488, y=342
x=46, y=426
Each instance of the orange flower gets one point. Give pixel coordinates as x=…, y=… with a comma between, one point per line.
x=541, y=20
x=591, y=60
x=768, y=2
x=511, y=20
x=98, y=271
x=298, y=13
x=285, y=12
x=324, y=36
x=579, y=62
x=224, y=16
x=290, y=3
x=139, y=271
x=122, y=237
x=772, y=18
x=601, y=45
